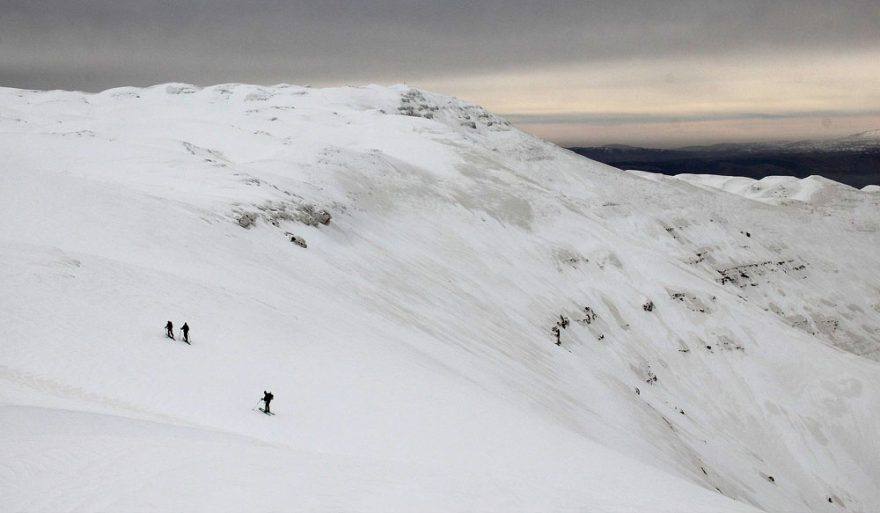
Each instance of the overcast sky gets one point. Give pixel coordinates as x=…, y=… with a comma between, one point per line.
x=578, y=72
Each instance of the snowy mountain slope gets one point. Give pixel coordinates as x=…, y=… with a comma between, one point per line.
x=409, y=344
x=810, y=199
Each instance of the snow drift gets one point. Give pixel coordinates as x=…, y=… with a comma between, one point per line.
x=720, y=354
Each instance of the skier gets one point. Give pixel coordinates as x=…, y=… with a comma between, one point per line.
x=591, y=315
x=555, y=331
x=185, y=330
x=563, y=322
x=169, y=330
x=267, y=398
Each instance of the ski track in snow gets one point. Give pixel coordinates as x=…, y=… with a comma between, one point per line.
x=409, y=344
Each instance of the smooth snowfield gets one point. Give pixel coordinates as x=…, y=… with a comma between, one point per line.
x=109, y=463
x=409, y=345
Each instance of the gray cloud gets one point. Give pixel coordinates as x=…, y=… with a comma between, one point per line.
x=93, y=45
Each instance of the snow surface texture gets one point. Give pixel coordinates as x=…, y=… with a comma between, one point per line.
x=720, y=354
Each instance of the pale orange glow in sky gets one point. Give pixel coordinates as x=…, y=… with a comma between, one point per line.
x=686, y=101
x=674, y=134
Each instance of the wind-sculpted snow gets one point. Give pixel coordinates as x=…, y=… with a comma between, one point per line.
x=716, y=353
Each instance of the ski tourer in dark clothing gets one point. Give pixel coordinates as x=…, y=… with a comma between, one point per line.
x=267, y=398
x=169, y=330
x=185, y=330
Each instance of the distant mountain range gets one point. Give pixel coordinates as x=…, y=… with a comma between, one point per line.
x=853, y=160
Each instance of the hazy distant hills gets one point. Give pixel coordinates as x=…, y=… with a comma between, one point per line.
x=853, y=160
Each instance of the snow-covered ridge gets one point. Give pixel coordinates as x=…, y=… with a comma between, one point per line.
x=868, y=135
x=813, y=190
x=390, y=263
